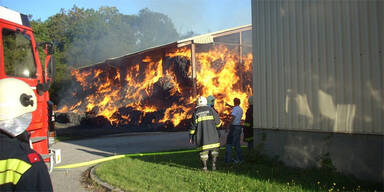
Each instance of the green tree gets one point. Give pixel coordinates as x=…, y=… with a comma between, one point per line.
x=86, y=36
x=153, y=29
x=100, y=35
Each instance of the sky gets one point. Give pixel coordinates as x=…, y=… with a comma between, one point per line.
x=200, y=16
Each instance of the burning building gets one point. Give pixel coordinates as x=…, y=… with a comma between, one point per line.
x=157, y=88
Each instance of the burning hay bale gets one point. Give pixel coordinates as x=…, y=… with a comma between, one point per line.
x=70, y=118
x=154, y=91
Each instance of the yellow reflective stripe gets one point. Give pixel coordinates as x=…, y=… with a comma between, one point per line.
x=205, y=118
x=211, y=146
x=192, y=131
x=217, y=126
x=9, y=177
x=11, y=170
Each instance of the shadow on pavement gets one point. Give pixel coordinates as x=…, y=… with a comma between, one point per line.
x=102, y=154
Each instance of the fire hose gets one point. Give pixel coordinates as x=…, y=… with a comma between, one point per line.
x=75, y=165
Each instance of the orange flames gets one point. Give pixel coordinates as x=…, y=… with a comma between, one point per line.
x=223, y=81
x=105, y=91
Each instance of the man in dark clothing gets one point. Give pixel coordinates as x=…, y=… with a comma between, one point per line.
x=21, y=168
x=248, y=124
x=203, y=132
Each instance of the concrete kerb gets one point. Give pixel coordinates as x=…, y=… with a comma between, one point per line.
x=100, y=182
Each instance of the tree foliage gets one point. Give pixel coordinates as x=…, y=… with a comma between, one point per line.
x=86, y=36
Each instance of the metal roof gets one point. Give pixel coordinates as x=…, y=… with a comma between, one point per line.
x=208, y=38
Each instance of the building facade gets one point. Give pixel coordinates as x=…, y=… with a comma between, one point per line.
x=318, y=74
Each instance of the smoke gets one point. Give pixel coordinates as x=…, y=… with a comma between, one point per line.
x=107, y=32
x=204, y=16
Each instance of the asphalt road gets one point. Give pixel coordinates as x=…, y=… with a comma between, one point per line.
x=78, y=151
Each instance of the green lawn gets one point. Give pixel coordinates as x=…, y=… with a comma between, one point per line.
x=182, y=172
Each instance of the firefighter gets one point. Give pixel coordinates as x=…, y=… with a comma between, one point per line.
x=21, y=168
x=203, y=132
x=248, y=124
x=211, y=101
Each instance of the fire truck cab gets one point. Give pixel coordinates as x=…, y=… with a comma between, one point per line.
x=19, y=58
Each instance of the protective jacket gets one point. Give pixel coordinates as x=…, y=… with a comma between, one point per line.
x=248, y=125
x=205, y=122
x=21, y=168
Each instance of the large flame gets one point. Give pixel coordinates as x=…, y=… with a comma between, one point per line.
x=220, y=75
x=154, y=84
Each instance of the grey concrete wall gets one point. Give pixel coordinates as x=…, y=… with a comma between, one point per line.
x=359, y=155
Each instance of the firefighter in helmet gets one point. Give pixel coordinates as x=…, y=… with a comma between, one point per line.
x=248, y=124
x=211, y=101
x=21, y=168
x=203, y=132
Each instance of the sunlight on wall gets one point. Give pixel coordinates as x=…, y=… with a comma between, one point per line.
x=326, y=106
x=301, y=103
x=343, y=115
x=376, y=95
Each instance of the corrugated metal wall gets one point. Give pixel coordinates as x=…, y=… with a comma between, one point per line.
x=318, y=65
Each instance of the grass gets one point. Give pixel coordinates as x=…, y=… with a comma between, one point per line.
x=182, y=172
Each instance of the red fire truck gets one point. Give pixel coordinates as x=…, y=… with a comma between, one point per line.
x=19, y=58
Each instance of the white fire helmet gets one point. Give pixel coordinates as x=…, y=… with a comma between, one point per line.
x=201, y=101
x=17, y=102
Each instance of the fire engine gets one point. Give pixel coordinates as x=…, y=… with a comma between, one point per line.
x=19, y=58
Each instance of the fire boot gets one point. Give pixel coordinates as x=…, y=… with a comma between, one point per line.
x=204, y=165
x=204, y=158
x=213, y=163
x=215, y=154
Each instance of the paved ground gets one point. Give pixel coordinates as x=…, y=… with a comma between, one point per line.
x=78, y=151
